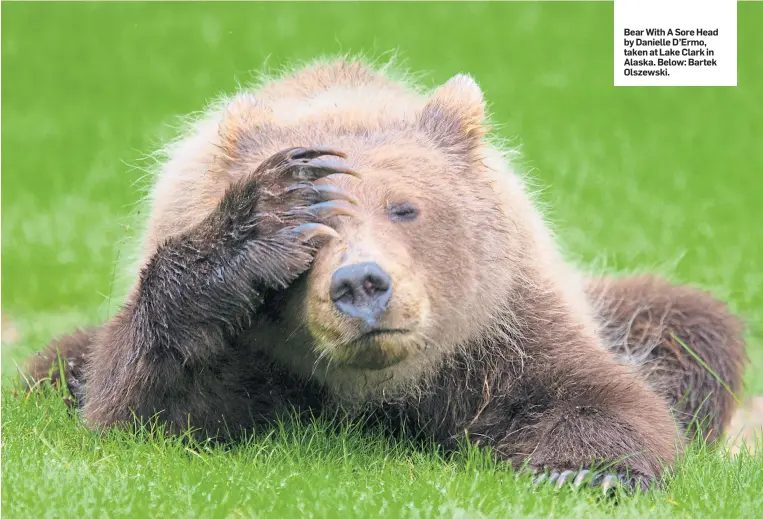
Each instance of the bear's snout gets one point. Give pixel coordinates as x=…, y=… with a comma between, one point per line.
x=361, y=291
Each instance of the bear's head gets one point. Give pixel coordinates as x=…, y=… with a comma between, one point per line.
x=443, y=234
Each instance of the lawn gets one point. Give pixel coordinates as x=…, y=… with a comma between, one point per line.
x=660, y=179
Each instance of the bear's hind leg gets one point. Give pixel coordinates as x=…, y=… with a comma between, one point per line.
x=73, y=350
x=653, y=324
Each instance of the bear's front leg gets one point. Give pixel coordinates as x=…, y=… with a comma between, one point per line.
x=559, y=403
x=594, y=423
x=171, y=349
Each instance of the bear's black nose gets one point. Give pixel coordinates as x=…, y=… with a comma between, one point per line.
x=361, y=291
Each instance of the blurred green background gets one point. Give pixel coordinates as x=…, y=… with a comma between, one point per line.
x=661, y=179
x=665, y=179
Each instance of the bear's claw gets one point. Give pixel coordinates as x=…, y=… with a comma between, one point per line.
x=290, y=198
x=326, y=209
x=609, y=482
x=311, y=153
x=329, y=192
x=324, y=192
x=301, y=163
x=308, y=231
x=307, y=169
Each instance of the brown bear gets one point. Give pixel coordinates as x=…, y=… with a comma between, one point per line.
x=336, y=240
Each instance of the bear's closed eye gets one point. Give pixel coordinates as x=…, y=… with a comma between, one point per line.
x=404, y=212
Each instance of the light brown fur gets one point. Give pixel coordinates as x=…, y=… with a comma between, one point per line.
x=491, y=215
x=499, y=338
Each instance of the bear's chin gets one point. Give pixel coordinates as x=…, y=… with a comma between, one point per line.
x=373, y=351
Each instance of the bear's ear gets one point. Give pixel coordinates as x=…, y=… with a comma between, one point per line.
x=241, y=118
x=454, y=116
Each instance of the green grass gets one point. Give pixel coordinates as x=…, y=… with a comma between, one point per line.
x=660, y=179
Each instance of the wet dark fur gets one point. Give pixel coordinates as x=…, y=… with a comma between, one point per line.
x=173, y=349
